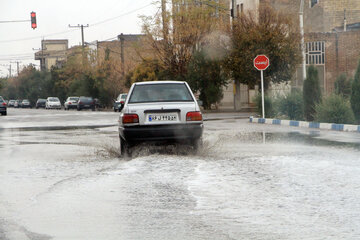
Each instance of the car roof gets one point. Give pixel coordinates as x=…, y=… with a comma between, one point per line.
x=158, y=82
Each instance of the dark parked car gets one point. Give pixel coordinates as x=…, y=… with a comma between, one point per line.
x=40, y=103
x=3, y=106
x=86, y=103
x=26, y=104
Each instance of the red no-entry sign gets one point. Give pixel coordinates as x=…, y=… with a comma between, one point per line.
x=261, y=62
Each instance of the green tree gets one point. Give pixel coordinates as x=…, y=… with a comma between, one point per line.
x=343, y=86
x=311, y=93
x=335, y=109
x=355, y=94
x=205, y=75
x=147, y=70
x=292, y=105
x=274, y=34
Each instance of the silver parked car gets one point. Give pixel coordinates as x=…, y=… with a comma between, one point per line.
x=160, y=111
x=71, y=102
x=52, y=103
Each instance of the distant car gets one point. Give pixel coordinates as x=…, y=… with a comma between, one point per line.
x=26, y=104
x=86, y=103
x=40, y=103
x=98, y=104
x=160, y=111
x=119, y=101
x=3, y=106
x=11, y=103
x=17, y=104
x=71, y=102
x=52, y=103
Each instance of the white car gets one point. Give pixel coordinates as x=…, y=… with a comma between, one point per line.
x=52, y=103
x=71, y=102
x=160, y=111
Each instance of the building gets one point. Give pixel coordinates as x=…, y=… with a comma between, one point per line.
x=128, y=51
x=52, y=52
x=332, y=37
x=321, y=15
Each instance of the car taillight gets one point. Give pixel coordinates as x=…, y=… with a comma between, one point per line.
x=194, y=116
x=130, y=118
x=69, y=102
x=122, y=102
x=80, y=102
x=4, y=104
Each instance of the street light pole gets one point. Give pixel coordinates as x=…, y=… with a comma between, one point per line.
x=301, y=15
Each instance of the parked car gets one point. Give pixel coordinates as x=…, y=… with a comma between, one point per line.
x=17, y=104
x=52, y=103
x=160, y=111
x=86, y=103
x=40, y=103
x=120, y=100
x=26, y=104
x=3, y=106
x=11, y=103
x=98, y=104
x=71, y=102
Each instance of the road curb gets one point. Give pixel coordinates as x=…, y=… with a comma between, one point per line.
x=315, y=125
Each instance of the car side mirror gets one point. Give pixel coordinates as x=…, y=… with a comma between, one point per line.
x=200, y=103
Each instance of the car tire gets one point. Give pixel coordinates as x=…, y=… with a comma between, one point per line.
x=115, y=110
x=197, y=144
x=124, y=148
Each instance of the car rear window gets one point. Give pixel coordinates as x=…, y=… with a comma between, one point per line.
x=167, y=92
x=1, y=99
x=74, y=98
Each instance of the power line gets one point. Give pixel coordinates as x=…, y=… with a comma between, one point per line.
x=58, y=33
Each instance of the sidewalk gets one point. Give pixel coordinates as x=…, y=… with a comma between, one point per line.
x=211, y=116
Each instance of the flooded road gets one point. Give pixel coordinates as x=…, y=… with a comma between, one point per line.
x=250, y=181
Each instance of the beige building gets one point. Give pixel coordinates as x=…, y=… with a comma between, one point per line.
x=238, y=96
x=52, y=52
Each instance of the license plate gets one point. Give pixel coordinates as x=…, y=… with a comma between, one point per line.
x=87, y=105
x=161, y=118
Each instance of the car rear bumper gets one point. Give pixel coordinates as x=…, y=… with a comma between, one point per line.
x=161, y=132
x=86, y=106
x=2, y=109
x=71, y=106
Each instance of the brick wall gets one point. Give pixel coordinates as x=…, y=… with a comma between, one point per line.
x=324, y=16
x=342, y=54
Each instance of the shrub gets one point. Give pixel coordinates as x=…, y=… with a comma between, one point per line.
x=355, y=94
x=335, y=109
x=311, y=93
x=292, y=105
x=269, y=106
x=343, y=86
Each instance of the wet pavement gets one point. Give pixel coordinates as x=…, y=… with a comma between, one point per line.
x=67, y=181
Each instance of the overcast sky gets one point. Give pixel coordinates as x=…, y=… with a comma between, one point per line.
x=106, y=19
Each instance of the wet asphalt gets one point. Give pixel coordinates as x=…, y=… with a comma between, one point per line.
x=61, y=177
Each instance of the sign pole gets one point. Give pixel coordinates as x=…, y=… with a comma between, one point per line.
x=262, y=94
x=261, y=63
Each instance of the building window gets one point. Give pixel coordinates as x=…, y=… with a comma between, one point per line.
x=314, y=2
x=315, y=53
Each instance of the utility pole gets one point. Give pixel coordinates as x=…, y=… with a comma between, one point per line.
x=82, y=32
x=164, y=20
x=122, y=57
x=82, y=37
x=301, y=15
x=10, y=70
